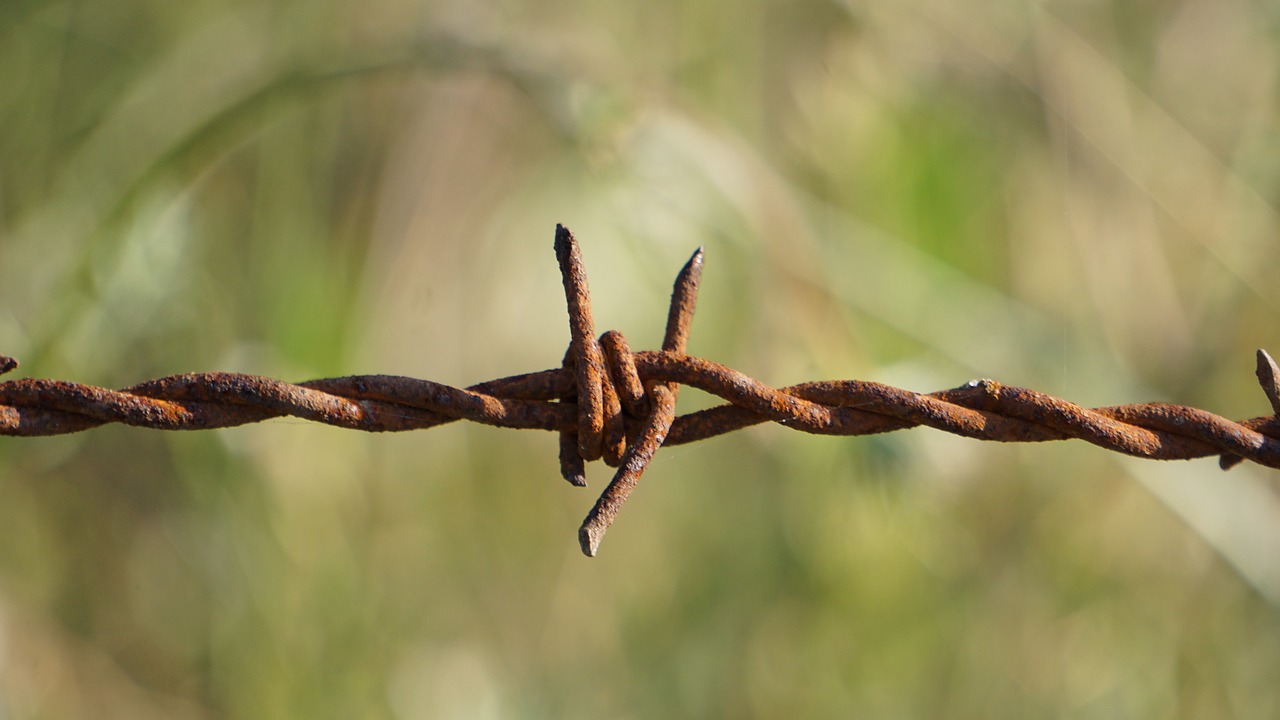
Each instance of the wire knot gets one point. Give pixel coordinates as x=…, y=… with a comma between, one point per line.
x=621, y=418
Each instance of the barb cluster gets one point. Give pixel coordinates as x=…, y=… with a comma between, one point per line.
x=610, y=403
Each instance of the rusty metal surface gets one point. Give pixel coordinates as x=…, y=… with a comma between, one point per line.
x=610, y=403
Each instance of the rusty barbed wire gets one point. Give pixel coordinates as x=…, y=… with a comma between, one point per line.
x=608, y=402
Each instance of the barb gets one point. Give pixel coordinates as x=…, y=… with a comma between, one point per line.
x=608, y=402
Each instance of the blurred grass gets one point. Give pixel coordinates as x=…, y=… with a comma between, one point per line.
x=1073, y=197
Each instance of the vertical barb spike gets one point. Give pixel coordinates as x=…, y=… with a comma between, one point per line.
x=588, y=361
x=662, y=413
x=684, y=299
x=1269, y=379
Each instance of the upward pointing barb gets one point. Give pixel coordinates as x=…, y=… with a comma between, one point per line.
x=684, y=299
x=584, y=350
x=1269, y=378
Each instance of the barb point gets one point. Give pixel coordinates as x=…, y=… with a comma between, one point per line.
x=589, y=537
x=1269, y=379
x=564, y=239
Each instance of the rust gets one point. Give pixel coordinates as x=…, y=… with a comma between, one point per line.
x=607, y=402
x=584, y=351
x=662, y=410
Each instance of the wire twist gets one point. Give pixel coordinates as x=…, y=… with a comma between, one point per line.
x=608, y=402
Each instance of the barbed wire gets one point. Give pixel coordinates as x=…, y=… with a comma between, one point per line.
x=610, y=403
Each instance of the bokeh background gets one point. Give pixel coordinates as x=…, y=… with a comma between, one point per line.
x=1079, y=197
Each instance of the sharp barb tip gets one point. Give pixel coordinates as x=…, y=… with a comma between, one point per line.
x=589, y=540
x=1269, y=379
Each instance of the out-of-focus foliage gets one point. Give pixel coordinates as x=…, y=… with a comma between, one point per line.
x=1076, y=197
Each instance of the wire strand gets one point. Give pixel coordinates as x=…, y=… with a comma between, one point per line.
x=608, y=402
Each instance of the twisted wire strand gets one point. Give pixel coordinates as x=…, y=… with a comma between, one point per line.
x=608, y=402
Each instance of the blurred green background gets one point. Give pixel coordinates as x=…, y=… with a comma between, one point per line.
x=1078, y=197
